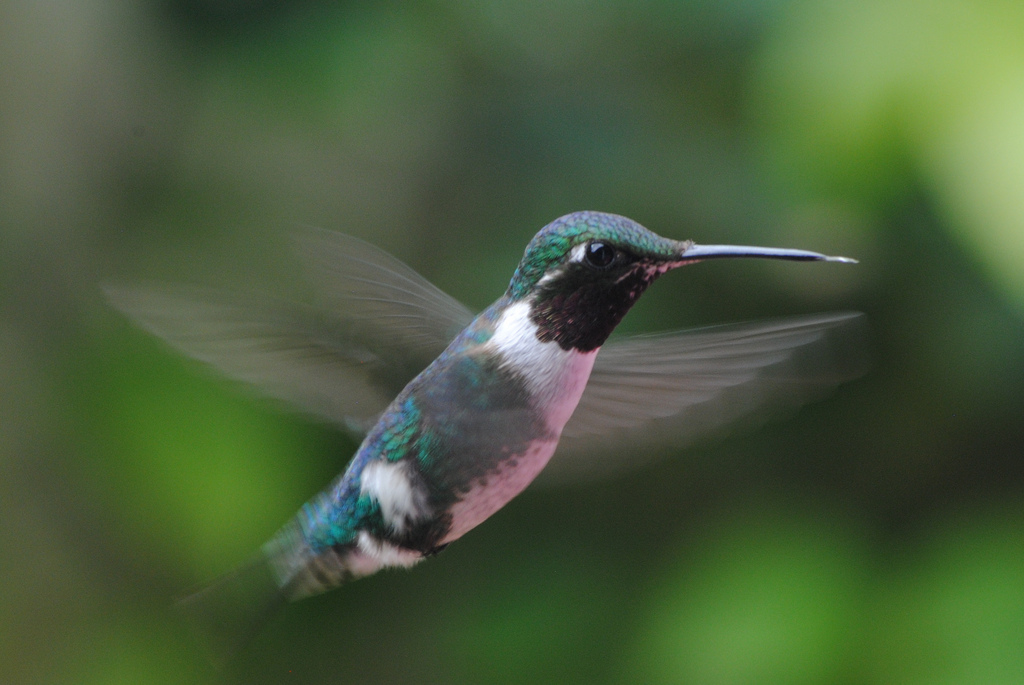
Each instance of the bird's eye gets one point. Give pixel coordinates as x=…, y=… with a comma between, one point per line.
x=599, y=255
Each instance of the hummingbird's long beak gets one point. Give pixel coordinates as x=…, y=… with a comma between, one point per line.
x=698, y=252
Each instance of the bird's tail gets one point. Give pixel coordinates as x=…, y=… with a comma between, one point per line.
x=231, y=610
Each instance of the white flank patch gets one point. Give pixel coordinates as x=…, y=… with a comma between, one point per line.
x=556, y=377
x=401, y=501
x=371, y=555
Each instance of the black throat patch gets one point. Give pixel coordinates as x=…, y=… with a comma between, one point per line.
x=579, y=309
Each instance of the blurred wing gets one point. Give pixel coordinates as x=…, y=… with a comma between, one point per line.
x=284, y=350
x=359, y=282
x=379, y=323
x=664, y=390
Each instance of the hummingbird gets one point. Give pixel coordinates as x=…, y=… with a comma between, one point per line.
x=460, y=413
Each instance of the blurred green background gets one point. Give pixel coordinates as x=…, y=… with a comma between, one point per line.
x=873, y=538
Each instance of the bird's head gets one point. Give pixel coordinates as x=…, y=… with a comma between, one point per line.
x=582, y=272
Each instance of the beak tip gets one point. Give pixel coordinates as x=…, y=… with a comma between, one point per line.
x=842, y=260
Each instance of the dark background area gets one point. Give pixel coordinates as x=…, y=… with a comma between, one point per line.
x=875, y=537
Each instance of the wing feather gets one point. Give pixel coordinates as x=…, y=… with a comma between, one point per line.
x=283, y=349
x=360, y=282
x=377, y=324
x=653, y=391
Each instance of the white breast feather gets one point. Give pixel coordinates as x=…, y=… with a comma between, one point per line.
x=556, y=377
